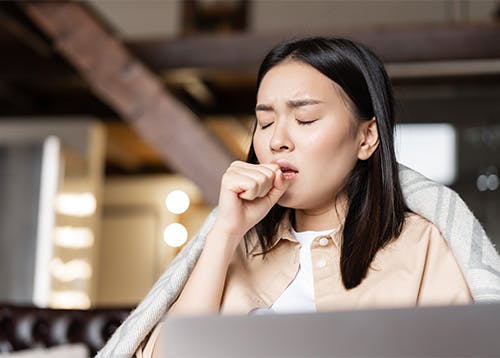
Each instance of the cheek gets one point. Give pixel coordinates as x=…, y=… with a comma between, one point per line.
x=324, y=141
x=333, y=145
x=259, y=146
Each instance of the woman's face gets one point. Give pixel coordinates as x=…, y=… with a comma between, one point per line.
x=304, y=123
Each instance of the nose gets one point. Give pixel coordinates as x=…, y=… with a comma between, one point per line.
x=280, y=140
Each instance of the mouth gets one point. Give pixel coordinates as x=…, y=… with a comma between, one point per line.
x=288, y=170
x=288, y=174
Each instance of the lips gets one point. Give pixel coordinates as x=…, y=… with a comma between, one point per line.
x=288, y=170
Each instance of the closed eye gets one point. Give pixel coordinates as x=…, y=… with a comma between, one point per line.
x=265, y=125
x=304, y=123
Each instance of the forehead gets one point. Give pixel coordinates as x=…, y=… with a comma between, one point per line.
x=293, y=79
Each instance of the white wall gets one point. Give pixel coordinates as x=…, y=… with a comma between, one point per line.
x=138, y=18
x=152, y=18
x=310, y=15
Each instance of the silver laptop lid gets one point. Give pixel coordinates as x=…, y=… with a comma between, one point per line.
x=451, y=331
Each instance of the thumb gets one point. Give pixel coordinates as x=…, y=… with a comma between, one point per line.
x=280, y=186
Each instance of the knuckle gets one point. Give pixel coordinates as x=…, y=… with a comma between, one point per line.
x=227, y=174
x=261, y=178
x=273, y=167
x=269, y=173
x=236, y=163
x=264, y=170
x=255, y=185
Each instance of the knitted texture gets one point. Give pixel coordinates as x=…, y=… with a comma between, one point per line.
x=473, y=250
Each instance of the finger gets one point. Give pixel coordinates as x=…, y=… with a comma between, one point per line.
x=268, y=171
x=252, y=182
x=273, y=167
x=241, y=163
x=263, y=175
x=280, y=186
x=241, y=185
x=263, y=183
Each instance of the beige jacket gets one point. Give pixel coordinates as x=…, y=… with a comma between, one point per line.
x=416, y=269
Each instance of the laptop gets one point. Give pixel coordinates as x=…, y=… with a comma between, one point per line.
x=447, y=331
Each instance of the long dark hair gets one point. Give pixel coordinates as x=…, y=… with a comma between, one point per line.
x=376, y=206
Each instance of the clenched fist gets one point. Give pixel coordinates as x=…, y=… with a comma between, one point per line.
x=248, y=192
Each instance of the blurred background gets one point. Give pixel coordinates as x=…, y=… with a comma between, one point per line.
x=118, y=118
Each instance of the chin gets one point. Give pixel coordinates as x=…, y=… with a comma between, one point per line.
x=284, y=202
x=287, y=201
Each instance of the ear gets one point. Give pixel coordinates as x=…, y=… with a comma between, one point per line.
x=368, y=134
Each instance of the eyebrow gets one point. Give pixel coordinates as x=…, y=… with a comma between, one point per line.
x=292, y=104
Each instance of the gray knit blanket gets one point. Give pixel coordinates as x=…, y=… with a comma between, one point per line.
x=473, y=250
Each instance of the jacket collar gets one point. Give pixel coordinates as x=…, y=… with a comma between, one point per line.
x=284, y=232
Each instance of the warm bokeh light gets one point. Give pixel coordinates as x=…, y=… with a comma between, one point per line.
x=73, y=237
x=177, y=201
x=76, y=204
x=69, y=299
x=72, y=270
x=175, y=235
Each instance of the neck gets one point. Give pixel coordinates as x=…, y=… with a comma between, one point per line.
x=330, y=217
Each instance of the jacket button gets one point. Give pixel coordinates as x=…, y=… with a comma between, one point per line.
x=323, y=241
x=321, y=264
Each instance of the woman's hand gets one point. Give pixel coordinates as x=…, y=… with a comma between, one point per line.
x=248, y=192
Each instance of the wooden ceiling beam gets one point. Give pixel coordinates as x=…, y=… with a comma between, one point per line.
x=14, y=26
x=20, y=63
x=121, y=81
x=395, y=43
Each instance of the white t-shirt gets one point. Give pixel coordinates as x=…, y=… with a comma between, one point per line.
x=299, y=295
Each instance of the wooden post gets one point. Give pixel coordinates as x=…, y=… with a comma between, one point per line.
x=122, y=82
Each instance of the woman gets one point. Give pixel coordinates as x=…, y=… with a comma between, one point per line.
x=315, y=219
x=322, y=164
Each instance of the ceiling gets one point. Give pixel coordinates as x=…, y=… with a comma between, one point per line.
x=214, y=73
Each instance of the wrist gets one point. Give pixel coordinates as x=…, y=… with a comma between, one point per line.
x=228, y=232
x=222, y=241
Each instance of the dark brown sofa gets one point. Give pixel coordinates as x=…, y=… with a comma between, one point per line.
x=23, y=327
